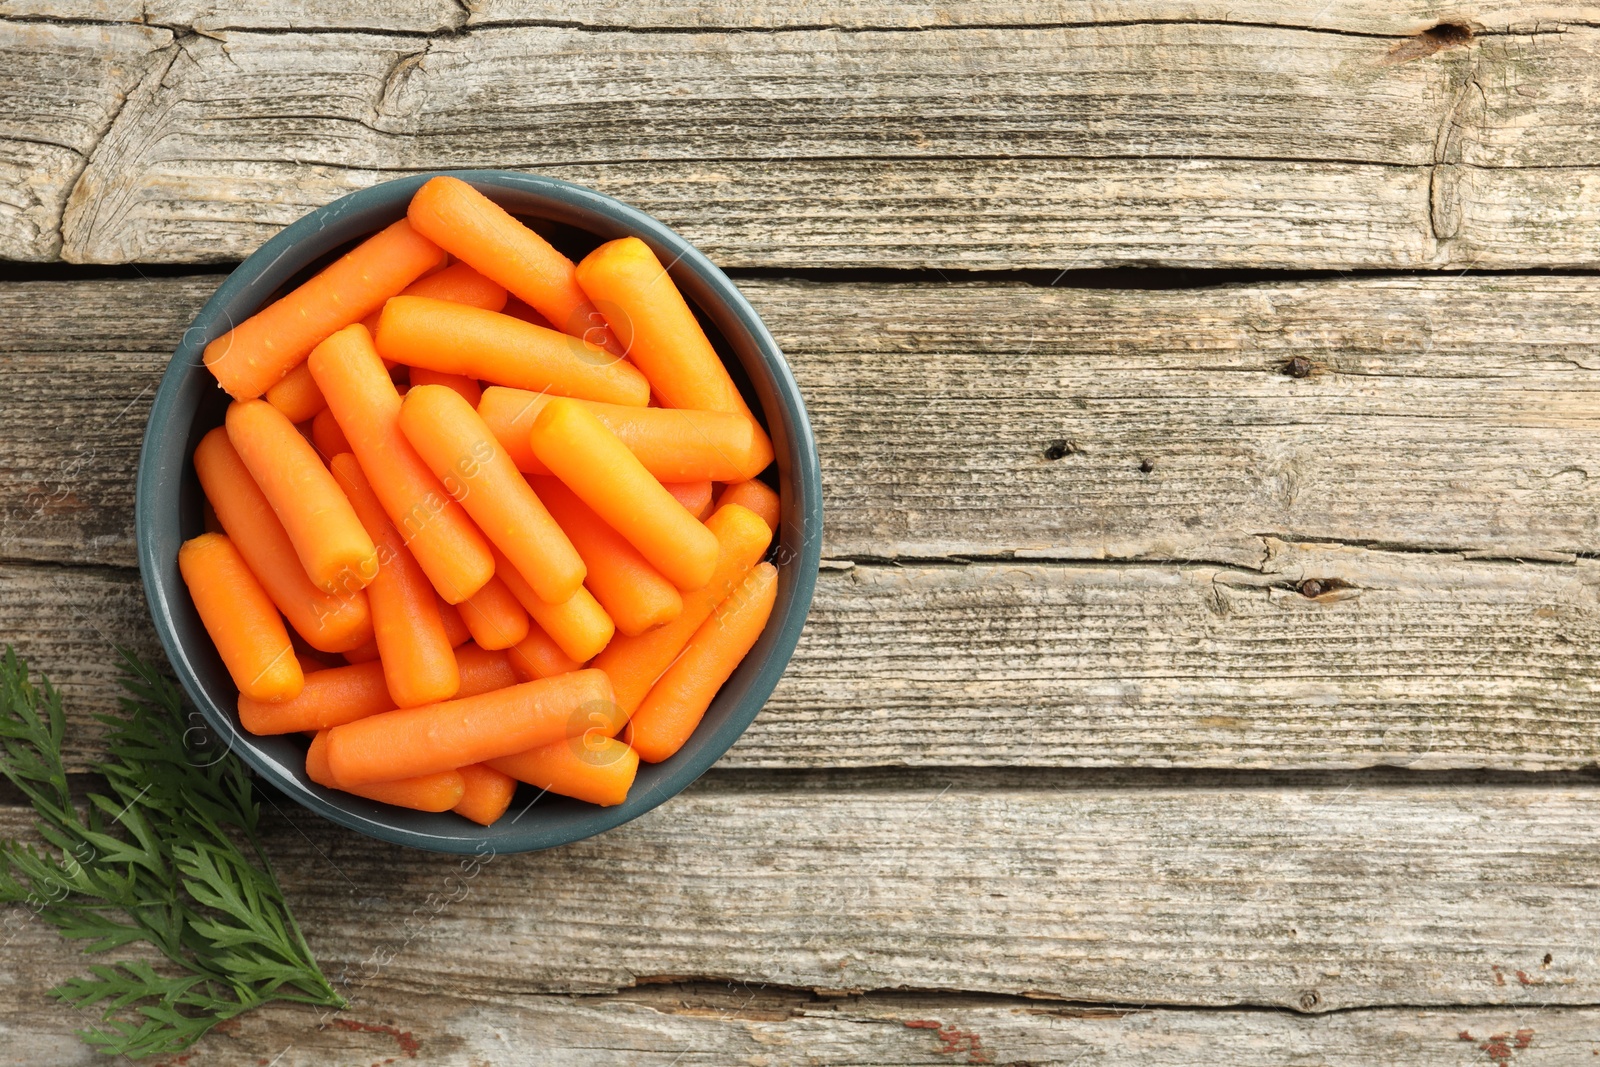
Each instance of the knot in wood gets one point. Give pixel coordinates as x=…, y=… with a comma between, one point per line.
x=1298, y=367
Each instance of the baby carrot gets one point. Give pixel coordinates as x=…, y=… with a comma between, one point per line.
x=458, y=339
x=596, y=466
x=480, y=232
x=579, y=625
x=363, y=399
x=249, y=358
x=418, y=664
x=326, y=437
x=634, y=663
x=469, y=388
x=457, y=283
x=476, y=471
x=493, y=615
x=366, y=652
x=335, y=550
x=659, y=332
x=537, y=656
x=455, y=627
x=594, y=768
x=330, y=698
x=755, y=495
x=240, y=618
x=328, y=622
x=694, y=496
x=673, y=445
x=440, y=791
x=631, y=591
x=337, y=695
x=296, y=395
x=454, y=733
x=679, y=700
x=519, y=309
x=488, y=793
x=484, y=670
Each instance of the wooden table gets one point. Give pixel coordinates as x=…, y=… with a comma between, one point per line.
x=1203, y=664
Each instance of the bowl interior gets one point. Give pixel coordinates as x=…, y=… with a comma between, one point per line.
x=189, y=404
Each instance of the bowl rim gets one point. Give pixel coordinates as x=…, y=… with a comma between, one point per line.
x=274, y=263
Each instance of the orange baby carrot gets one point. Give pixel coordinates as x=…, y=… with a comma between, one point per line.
x=335, y=550
x=469, y=388
x=476, y=471
x=455, y=627
x=454, y=733
x=480, y=232
x=756, y=495
x=631, y=591
x=337, y=695
x=296, y=395
x=438, y=532
x=694, y=496
x=634, y=663
x=495, y=617
x=579, y=625
x=678, y=701
x=366, y=652
x=484, y=670
x=592, y=767
x=598, y=467
x=457, y=283
x=249, y=358
x=418, y=664
x=431, y=792
x=240, y=618
x=328, y=622
x=537, y=656
x=659, y=332
x=458, y=339
x=673, y=445
x=330, y=698
x=488, y=793
x=518, y=309
x=326, y=437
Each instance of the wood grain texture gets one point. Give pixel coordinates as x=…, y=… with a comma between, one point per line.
x=708, y=1025
x=1311, y=897
x=400, y=16
x=1351, y=16
x=1454, y=414
x=1415, y=660
x=60, y=91
x=1141, y=143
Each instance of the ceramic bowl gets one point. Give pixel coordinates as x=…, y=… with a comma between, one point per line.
x=189, y=403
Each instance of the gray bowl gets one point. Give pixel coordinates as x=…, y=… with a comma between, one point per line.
x=189, y=403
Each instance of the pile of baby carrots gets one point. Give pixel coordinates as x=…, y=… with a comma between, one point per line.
x=460, y=523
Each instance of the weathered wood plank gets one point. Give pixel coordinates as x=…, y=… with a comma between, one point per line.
x=1412, y=660
x=1348, y=16
x=1442, y=413
x=60, y=90
x=710, y=1026
x=1355, y=16
x=1068, y=146
x=1320, y=897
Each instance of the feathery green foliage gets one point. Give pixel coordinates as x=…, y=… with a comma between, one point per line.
x=170, y=856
